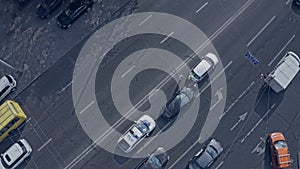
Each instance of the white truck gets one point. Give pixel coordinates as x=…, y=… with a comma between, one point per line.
x=284, y=72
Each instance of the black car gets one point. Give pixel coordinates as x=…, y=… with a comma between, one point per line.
x=205, y=157
x=75, y=9
x=297, y=2
x=44, y=9
x=172, y=109
x=157, y=160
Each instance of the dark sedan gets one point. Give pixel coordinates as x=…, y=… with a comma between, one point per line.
x=173, y=108
x=45, y=8
x=75, y=9
x=157, y=160
x=205, y=157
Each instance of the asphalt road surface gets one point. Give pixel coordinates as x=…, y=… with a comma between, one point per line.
x=42, y=57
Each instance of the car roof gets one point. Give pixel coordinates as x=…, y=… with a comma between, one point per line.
x=204, y=159
x=12, y=154
x=202, y=67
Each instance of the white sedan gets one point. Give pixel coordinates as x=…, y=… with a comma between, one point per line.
x=136, y=133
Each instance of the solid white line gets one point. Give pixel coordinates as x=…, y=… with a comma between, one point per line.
x=215, y=78
x=221, y=163
x=44, y=144
x=268, y=23
x=287, y=2
x=184, y=154
x=127, y=71
x=204, y=5
x=161, y=42
x=145, y=20
x=28, y=120
x=259, y=121
x=224, y=26
x=236, y=100
x=8, y=65
x=282, y=49
x=86, y=107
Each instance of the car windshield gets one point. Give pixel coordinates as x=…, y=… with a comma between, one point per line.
x=143, y=126
x=212, y=151
x=195, y=75
x=280, y=144
x=155, y=161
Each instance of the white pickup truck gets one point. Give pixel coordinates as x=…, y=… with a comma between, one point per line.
x=284, y=72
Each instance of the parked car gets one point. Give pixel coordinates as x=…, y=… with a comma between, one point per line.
x=44, y=9
x=136, y=133
x=7, y=85
x=75, y=9
x=202, y=69
x=173, y=108
x=15, y=155
x=205, y=157
x=297, y=2
x=279, y=151
x=156, y=160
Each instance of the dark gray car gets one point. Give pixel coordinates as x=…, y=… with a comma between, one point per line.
x=205, y=157
x=173, y=108
x=157, y=160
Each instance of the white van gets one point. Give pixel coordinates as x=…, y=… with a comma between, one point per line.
x=202, y=69
x=284, y=72
x=7, y=85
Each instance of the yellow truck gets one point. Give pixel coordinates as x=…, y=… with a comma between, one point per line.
x=11, y=117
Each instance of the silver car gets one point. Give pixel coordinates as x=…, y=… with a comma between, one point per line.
x=205, y=157
x=157, y=160
x=15, y=155
x=7, y=85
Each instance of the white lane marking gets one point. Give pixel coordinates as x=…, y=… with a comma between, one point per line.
x=64, y=88
x=287, y=2
x=145, y=20
x=89, y=148
x=259, y=121
x=28, y=120
x=47, y=142
x=241, y=118
x=221, y=163
x=89, y=105
x=8, y=65
x=166, y=38
x=214, y=78
x=236, y=100
x=224, y=26
x=257, y=149
x=204, y=5
x=130, y=69
x=184, y=153
x=268, y=23
x=282, y=49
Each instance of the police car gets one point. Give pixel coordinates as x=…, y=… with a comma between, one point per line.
x=136, y=133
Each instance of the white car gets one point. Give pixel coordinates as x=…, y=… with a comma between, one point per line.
x=136, y=133
x=16, y=154
x=202, y=69
x=7, y=84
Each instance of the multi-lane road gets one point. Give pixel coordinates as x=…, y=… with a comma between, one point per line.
x=42, y=57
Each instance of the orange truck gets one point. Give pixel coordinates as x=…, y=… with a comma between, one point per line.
x=279, y=151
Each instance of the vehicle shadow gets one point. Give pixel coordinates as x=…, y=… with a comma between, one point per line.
x=295, y=8
x=121, y=160
x=267, y=101
x=267, y=156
